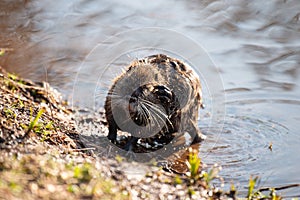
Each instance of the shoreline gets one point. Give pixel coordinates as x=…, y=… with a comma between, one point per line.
x=42, y=156
x=36, y=125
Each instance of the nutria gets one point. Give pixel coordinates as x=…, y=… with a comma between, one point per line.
x=154, y=99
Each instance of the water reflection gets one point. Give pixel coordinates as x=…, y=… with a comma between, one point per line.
x=255, y=45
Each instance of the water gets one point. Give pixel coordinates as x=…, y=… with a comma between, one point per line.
x=254, y=45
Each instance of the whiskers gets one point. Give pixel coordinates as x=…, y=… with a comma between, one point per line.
x=150, y=118
x=100, y=93
x=156, y=114
x=118, y=100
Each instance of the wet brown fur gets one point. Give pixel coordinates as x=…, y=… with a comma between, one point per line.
x=159, y=70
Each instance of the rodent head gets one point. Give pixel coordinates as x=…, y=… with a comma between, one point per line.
x=150, y=105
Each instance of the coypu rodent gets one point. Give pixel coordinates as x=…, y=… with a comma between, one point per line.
x=156, y=98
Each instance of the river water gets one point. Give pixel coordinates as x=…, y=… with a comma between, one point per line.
x=254, y=46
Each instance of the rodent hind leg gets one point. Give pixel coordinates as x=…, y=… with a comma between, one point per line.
x=112, y=134
x=195, y=133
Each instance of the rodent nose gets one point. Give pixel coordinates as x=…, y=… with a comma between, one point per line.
x=164, y=94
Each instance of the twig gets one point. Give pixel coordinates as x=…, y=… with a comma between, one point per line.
x=279, y=188
x=84, y=149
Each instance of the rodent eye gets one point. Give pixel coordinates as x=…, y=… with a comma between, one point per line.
x=132, y=104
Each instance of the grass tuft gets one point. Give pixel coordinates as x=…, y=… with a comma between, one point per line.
x=194, y=164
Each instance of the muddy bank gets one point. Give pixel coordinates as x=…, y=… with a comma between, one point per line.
x=42, y=155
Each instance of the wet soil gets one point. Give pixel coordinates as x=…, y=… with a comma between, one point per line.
x=42, y=155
